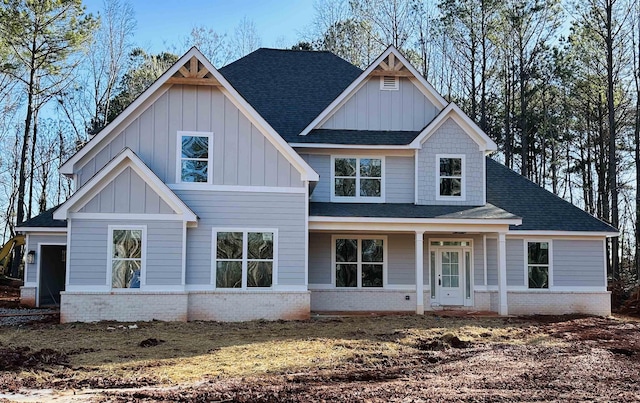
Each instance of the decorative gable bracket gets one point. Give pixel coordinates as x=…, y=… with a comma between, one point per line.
x=391, y=67
x=193, y=73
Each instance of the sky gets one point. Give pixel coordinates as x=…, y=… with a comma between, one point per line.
x=163, y=22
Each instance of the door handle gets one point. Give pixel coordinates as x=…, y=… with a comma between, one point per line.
x=439, y=282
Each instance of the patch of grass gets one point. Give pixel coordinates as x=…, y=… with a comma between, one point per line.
x=205, y=350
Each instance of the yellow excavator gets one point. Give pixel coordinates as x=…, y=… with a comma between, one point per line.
x=5, y=252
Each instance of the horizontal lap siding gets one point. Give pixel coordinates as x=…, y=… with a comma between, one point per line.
x=31, y=271
x=578, y=263
x=401, y=263
x=373, y=109
x=492, y=261
x=399, y=183
x=283, y=211
x=319, y=258
x=515, y=262
x=241, y=154
x=478, y=260
x=322, y=165
x=89, y=249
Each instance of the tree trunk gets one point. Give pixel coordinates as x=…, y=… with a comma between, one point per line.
x=613, y=177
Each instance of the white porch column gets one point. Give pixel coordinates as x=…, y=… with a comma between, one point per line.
x=502, y=274
x=419, y=273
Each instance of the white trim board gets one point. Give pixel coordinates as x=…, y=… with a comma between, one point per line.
x=125, y=159
x=47, y=230
x=426, y=89
x=158, y=87
x=454, y=112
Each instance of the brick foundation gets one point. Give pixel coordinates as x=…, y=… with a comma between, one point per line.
x=28, y=296
x=364, y=300
x=547, y=303
x=183, y=306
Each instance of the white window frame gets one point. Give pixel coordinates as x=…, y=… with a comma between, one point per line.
x=143, y=264
x=357, y=198
x=359, y=262
x=182, y=134
x=463, y=181
x=526, y=243
x=396, y=83
x=245, y=260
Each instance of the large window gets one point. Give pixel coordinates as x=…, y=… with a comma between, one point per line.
x=450, y=174
x=359, y=261
x=358, y=178
x=194, y=157
x=538, y=264
x=244, y=258
x=126, y=255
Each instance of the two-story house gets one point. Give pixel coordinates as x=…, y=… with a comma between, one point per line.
x=292, y=181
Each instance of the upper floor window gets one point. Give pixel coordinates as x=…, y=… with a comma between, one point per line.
x=358, y=179
x=538, y=264
x=450, y=177
x=127, y=255
x=194, y=160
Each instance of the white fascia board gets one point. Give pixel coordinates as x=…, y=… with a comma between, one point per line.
x=376, y=227
x=392, y=220
x=48, y=230
x=434, y=97
x=126, y=158
x=564, y=234
x=306, y=172
x=452, y=110
x=350, y=146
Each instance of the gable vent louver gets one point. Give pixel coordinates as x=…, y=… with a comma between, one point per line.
x=389, y=83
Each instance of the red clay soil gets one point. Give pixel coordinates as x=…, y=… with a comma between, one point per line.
x=9, y=296
x=580, y=359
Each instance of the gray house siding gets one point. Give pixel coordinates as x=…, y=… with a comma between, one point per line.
x=451, y=139
x=127, y=193
x=399, y=181
x=31, y=270
x=89, y=249
x=492, y=261
x=319, y=258
x=282, y=211
x=241, y=154
x=515, y=262
x=322, y=165
x=399, y=178
x=373, y=109
x=578, y=263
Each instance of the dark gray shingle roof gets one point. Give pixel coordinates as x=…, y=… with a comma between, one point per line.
x=539, y=208
x=289, y=88
x=44, y=220
x=360, y=137
x=407, y=210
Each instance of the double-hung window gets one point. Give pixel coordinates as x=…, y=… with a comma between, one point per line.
x=194, y=157
x=538, y=264
x=358, y=179
x=244, y=258
x=450, y=177
x=359, y=261
x=126, y=255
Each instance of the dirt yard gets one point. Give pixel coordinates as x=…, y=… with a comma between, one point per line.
x=375, y=359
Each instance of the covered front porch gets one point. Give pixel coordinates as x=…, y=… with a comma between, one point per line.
x=382, y=264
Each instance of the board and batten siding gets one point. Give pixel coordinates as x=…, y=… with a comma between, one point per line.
x=127, y=193
x=373, y=109
x=31, y=269
x=88, y=252
x=578, y=263
x=399, y=178
x=252, y=210
x=450, y=138
x=241, y=154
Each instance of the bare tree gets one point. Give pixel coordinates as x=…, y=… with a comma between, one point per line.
x=245, y=38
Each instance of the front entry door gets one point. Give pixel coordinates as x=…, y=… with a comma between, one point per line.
x=450, y=276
